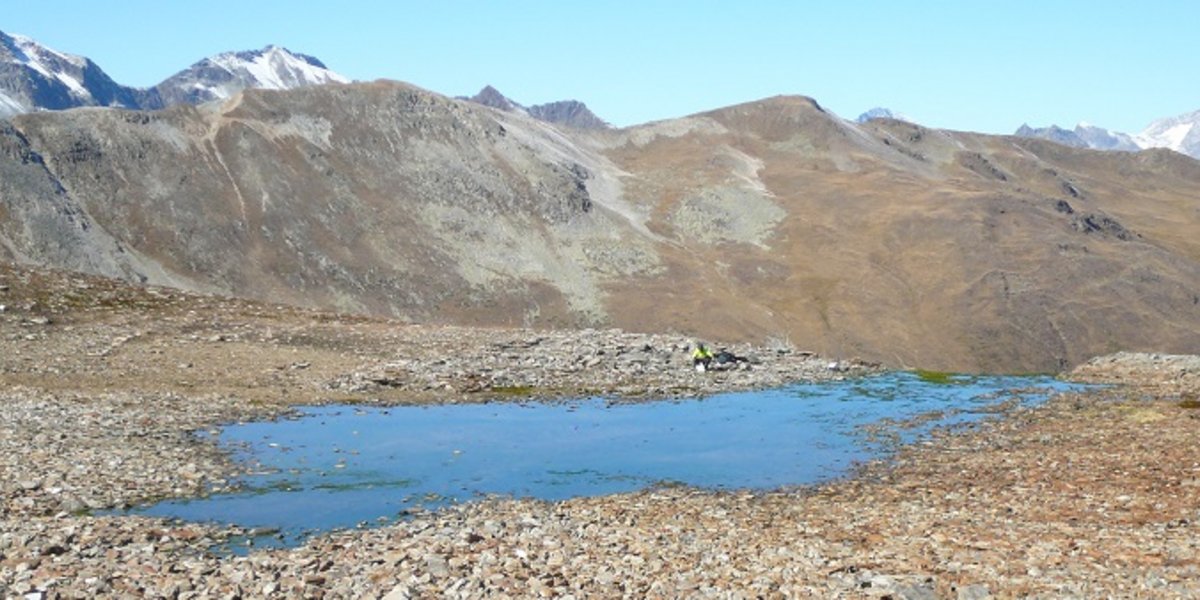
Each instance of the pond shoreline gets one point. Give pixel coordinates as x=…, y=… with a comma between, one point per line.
x=332, y=467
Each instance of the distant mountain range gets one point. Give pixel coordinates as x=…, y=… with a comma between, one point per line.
x=35, y=77
x=566, y=112
x=1180, y=133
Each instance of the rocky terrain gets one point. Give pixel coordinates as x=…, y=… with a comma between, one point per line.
x=1092, y=495
x=772, y=219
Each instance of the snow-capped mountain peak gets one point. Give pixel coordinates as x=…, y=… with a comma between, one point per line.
x=223, y=75
x=35, y=77
x=1100, y=138
x=53, y=66
x=1180, y=133
x=1085, y=135
x=277, y=68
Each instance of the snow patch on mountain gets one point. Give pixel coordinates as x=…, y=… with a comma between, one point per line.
x=9, y=106
x=1172, y=137
x=35, y=51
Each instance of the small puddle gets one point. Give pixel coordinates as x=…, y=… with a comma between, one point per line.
x=343, y=466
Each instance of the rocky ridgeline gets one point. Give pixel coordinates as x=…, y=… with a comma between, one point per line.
x=1170, y=374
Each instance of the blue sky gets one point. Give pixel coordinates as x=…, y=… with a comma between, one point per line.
x=973, y=65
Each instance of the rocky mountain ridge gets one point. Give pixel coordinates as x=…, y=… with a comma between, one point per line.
x=34, y=77
x=571, y=113
x=767, y=220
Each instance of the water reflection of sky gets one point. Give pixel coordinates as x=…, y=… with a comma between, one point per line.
x=338, y=466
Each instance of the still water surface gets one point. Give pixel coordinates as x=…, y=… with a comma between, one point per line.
x=336, y=467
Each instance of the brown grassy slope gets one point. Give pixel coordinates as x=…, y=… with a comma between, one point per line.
x=925, y=248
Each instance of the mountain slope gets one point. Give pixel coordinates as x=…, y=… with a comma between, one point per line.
x=959, y=250
x=771, y=219
x=385, y=199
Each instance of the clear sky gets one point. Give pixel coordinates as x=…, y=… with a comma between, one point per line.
x=973, y=65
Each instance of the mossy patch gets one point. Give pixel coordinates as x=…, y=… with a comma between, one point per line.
x=936, y=377
x=1143, y=415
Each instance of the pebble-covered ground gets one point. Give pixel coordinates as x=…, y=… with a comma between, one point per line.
x=1092, y=495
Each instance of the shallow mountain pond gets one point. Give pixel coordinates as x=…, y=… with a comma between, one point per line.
x=344, y=466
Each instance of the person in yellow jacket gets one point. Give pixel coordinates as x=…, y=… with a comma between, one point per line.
x=701, y=357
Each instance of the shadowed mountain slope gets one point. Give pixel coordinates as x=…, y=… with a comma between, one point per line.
x=773, y=219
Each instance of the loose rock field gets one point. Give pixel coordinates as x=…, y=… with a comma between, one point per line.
x=101, y=387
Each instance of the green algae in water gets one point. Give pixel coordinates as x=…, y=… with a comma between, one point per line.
x=936, y=377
